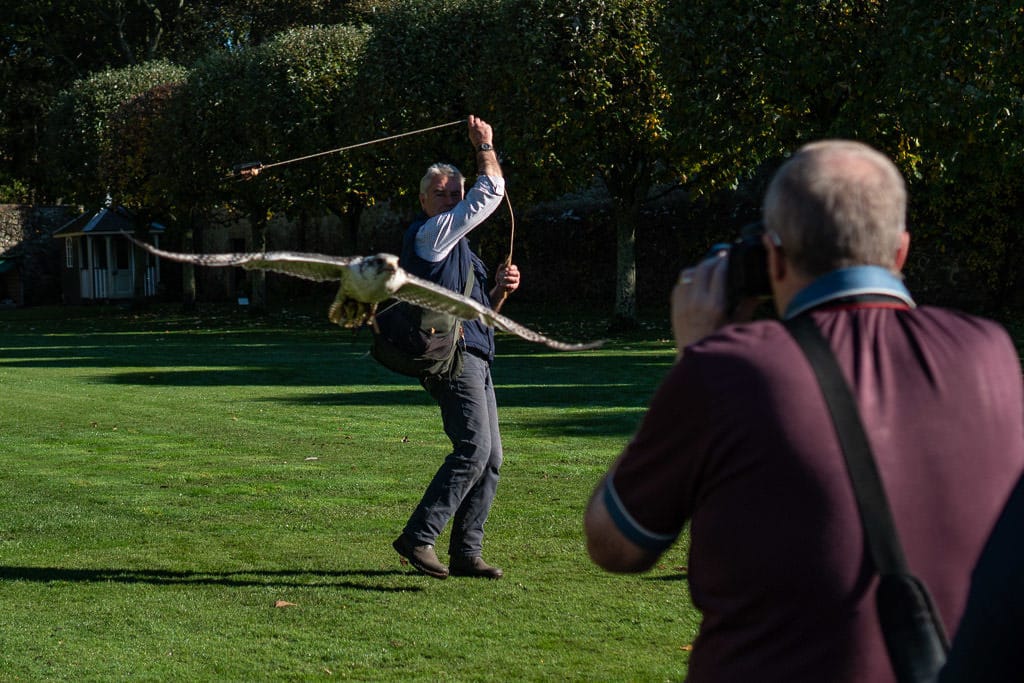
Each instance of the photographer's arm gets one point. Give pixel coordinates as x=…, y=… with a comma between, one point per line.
x=607, y=546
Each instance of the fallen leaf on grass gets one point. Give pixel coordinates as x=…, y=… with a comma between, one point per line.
x=284, y=603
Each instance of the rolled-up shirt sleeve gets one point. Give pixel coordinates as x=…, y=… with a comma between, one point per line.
x=439, y=235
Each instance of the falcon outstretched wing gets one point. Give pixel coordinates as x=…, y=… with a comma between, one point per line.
x=366, y=288
x=317, y=267
x=435, y=297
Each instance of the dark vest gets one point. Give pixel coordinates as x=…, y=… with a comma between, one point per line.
x=451, y=272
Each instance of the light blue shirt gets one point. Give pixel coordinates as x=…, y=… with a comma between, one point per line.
x=439, y=235
x=853, y=281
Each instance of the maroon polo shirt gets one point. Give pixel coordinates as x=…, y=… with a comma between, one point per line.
x=739, y=443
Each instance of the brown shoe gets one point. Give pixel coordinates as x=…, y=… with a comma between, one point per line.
x=473, y=566
x=421, y=557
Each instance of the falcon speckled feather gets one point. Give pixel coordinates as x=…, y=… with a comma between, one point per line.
x=364, y=282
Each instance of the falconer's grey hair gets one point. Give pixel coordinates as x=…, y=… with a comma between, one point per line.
x=442, y=171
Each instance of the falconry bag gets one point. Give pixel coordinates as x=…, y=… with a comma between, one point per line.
x=416, y=341
x=914, y=636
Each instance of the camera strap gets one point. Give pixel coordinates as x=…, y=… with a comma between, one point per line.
x=872, y=503
x=914, y=634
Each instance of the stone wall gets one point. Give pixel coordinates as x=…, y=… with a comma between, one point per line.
x=25, y=238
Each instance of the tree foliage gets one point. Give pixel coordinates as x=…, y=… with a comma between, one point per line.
x=79, y=127
x=934, y=86
x=966, y=115
x=45, y=46
x=572, y=88
x=306, y=79
x=132, y=164
x=711, y=94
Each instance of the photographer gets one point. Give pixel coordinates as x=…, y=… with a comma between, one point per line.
x=738, y=442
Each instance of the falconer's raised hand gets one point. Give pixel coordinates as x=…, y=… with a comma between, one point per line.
x=481, y=136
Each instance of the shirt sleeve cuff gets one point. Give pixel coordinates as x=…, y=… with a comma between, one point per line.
x=629, y=527
x=492, y=184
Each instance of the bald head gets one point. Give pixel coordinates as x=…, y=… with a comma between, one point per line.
x=835, y=204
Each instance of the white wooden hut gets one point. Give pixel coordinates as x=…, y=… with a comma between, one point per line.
x=100, y=263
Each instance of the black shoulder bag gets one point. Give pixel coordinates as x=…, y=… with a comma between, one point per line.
x=913, y=632
x=417, y=342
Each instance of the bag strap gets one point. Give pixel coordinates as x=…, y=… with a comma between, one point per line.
x=872, y=503
x=468, y=292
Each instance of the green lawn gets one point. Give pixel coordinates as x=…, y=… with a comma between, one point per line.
x=167, y=479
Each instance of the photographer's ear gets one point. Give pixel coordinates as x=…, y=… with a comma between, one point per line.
x=773, y=248
x=780, y=272
x=901, y=252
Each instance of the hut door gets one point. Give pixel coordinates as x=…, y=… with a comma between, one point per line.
x=122, y=276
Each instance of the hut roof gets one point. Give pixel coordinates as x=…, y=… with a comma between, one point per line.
x=106, y=221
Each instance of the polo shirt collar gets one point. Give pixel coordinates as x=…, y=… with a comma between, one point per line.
x=847, y=282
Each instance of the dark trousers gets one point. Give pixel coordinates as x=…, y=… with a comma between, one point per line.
x=464, y=486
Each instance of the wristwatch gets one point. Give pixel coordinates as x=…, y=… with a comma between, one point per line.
x=485, y=147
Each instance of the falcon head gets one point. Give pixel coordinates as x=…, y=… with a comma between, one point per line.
x=371, y=279
x=377, y=278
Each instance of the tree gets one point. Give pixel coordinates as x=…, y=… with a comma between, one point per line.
x=285, y=99
x=45, y=46
x=78, y=126
x=935, y=87
x=748, y=89
x=133, y=167
x=305, y=79
x=963, y=107
x=572, y=87
x=614, y=121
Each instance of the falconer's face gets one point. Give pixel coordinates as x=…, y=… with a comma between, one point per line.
x=442, y=195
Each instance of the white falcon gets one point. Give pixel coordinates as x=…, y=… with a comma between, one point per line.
x=365, y=281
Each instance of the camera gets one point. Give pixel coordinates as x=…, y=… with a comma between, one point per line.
x=747, y=266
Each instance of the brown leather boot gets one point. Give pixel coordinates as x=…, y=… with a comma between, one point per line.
x=473, y=566
x=421, y=557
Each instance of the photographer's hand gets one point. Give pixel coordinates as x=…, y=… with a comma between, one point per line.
x=698, y=301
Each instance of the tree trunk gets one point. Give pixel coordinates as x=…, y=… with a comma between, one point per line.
x=350, y=226
x=258, y=278
x=626, y=215
x=628, y=186
x=188, y=271
x=140, y=258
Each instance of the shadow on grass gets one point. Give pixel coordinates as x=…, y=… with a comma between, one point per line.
x=279, y=578
x=621, y=423
x=554, y=396
x=616, y=381
x=681, y=576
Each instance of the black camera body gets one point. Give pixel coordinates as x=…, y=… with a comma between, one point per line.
x=747, y=275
